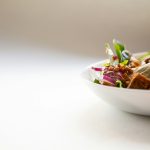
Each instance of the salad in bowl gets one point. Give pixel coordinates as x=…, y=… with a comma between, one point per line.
x=122, y=80
x=122, y=69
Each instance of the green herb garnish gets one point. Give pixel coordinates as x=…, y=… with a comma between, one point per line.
x=96, y=81
x=119, y=47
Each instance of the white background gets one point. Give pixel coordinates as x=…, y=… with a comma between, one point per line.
x=44, y=105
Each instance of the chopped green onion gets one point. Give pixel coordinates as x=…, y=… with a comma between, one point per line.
x=109, y=52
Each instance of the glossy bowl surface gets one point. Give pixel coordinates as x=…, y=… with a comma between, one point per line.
x=131, y=100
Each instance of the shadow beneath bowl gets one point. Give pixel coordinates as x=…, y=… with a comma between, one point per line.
x=109, y=123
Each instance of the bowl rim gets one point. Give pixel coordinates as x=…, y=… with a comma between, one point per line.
x=110, y=87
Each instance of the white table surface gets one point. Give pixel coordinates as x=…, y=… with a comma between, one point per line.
x=44, y=105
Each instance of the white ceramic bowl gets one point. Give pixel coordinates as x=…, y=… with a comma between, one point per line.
x=130, y=100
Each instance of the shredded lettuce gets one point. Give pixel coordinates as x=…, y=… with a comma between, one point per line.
x=141, y=58
x=109, y=52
